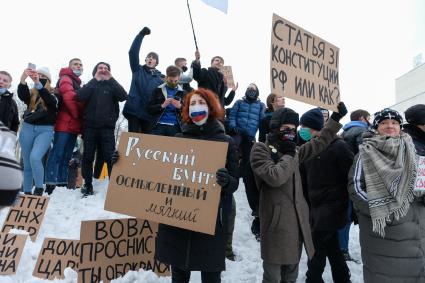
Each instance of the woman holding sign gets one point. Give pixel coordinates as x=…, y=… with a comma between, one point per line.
x=390, y=210
x=187, y=250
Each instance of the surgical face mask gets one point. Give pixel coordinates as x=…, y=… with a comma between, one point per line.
x=77, y=72
x=305, y=134
x=43, y=81
x=2, y=90
x=198, y=113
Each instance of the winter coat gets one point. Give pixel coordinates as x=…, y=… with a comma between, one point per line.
x=101, y=99
x=264, y=127
x=284, y=213
x=49, y=99
x=353, y=134
x=326, y=179
x=70, y=115
x=10, y=170
x=399, y=257
x=245, y=116
x=211, y=79
x=158, y=97
x=418, y=137
x=189, y=250
x=143, y=82
x=9, y=115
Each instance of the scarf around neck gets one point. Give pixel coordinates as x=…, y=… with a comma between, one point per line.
x=389, y=165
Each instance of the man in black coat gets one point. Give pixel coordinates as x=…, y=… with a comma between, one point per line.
x=415, y=116
x=326, y=188
x=101, y=96
x=8, y=108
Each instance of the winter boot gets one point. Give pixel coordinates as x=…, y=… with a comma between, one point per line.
x=87, y=190
x=49, y=189
x=38, y=191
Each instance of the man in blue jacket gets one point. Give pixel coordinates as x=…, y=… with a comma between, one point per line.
x=145, y=80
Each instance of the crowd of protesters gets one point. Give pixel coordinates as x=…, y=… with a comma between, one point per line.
x=305, y=184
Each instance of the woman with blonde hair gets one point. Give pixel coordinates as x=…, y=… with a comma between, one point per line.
x=36, y=132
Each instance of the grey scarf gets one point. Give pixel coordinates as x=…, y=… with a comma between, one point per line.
x=389, y=165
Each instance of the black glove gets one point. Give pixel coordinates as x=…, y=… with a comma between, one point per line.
x=342, y=111
x=223, y=177
x=287, y=147
x=145, y=31
x=115, y=156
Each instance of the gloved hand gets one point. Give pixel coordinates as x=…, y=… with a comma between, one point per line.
x=342, y=111
x=287, y=147
x=223, y=177
x=145, y=31
x=233, y=131
x=115, y=156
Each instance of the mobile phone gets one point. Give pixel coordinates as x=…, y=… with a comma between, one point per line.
x=32, y=66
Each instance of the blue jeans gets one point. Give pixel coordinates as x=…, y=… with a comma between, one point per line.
x=59, y=156
x=35, y=140
x=344, y=232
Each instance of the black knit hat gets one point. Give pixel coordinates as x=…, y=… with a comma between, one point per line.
x=386, y=113
x=153, y=55
x=95, y=67
x=415, y=115
x=313, y=119
x=284, y=116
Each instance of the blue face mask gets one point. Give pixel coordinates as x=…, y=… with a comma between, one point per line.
x=305, y=134
x=2, y=90
x=77, y=72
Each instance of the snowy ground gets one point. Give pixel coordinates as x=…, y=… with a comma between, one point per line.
x=67, y=209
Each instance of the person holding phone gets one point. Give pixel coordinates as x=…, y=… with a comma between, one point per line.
x=165, y=104
x=39, y=118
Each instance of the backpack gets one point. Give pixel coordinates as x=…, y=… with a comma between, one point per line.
x=58, y=95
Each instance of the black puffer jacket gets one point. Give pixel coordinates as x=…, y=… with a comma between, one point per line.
x=9, y=111
x=101, y=99
x=191, y=250
x=326, y=179
x=49, y=99
x=418, y=137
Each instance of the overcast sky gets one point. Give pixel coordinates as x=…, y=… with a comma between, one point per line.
x=377, y=39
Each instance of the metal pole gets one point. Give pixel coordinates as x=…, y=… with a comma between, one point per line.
x=191, y=22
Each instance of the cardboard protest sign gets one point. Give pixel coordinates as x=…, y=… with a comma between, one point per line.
x=228, y=76
x=26, y=215
x=303, y=66
x=167, y=180
x=56, y=255
x=420, y=178
x=111, y=248
x=11, y=247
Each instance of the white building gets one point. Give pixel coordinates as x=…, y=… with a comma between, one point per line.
x=410, y=89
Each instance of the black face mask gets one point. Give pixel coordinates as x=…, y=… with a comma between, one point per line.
x=43, y=81
x=184, y=68
x=251, y=94
x=287, y=135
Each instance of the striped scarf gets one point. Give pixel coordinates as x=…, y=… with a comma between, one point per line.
x=389, y=165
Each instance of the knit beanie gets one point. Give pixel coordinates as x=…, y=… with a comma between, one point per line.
x=153, y=55
x=386, y=113
x=313, y=119
x=45, y=71
x=284, y=116
x=95, y=67
x=415, y=115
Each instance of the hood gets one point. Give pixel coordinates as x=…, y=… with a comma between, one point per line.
x=355, y=124
x=68, y=72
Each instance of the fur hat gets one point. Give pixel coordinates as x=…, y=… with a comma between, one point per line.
x=283, y=116
x=45, y=71
x=95, y=67
x=386, y=113
x=415, y=114
x=313, y=119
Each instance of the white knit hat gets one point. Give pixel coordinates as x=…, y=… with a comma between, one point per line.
x=45, y=71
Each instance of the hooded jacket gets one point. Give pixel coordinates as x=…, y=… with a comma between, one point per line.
x=9, y=111
x=70, y=115
x=353, y=134
x=245, y=116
